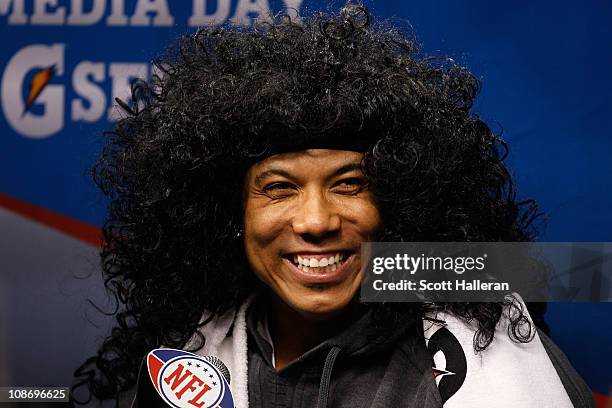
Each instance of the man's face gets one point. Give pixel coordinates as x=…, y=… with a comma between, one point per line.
x=306, y=214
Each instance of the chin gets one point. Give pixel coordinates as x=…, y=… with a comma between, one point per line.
x=319, y=305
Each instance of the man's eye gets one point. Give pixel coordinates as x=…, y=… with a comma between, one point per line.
x=278, y=189
x=349, y=186
x=278, y=186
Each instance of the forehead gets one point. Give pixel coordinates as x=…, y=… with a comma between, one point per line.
x=311, y=161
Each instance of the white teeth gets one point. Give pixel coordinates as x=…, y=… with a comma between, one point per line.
x=322, y=265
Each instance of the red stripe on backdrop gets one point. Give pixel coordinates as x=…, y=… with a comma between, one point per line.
x=602, y=401
x=87, y=233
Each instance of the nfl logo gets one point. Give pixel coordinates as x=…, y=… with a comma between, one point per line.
x=186, y=380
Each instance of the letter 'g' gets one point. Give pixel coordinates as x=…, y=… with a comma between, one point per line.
x=52, y=97
x=378, y=269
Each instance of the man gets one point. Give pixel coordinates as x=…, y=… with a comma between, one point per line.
x=243, y=182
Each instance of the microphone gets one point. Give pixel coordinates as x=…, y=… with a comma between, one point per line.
x=220, y=366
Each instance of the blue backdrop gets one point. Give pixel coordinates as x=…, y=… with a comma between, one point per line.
x=546, y=68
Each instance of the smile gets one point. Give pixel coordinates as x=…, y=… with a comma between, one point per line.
x=319, y=263
x=333, y=267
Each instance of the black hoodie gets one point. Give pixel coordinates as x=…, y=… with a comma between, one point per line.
x=361, y=367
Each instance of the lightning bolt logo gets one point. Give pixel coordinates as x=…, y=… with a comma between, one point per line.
x=37, y=85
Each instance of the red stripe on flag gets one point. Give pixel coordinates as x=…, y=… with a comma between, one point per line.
x=87, y=233
x=154, y=364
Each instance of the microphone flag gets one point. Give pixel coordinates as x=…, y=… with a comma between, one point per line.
x=186, y=380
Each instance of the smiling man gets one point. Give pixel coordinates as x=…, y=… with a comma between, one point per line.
x=306, y=215
x=243, y=182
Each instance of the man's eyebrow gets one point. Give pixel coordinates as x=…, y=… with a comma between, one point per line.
x=347, y=168
x=272, y=172
x=283, y=173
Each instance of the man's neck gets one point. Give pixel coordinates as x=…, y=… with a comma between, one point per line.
x=293, y=333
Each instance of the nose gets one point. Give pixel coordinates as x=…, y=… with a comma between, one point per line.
x=316, y=216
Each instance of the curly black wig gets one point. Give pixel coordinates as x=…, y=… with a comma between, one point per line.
x=226, y=98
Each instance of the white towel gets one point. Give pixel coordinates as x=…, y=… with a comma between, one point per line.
x=231, y=349
x=507, y=374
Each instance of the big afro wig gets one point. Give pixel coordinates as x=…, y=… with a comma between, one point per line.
x=225, y=98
